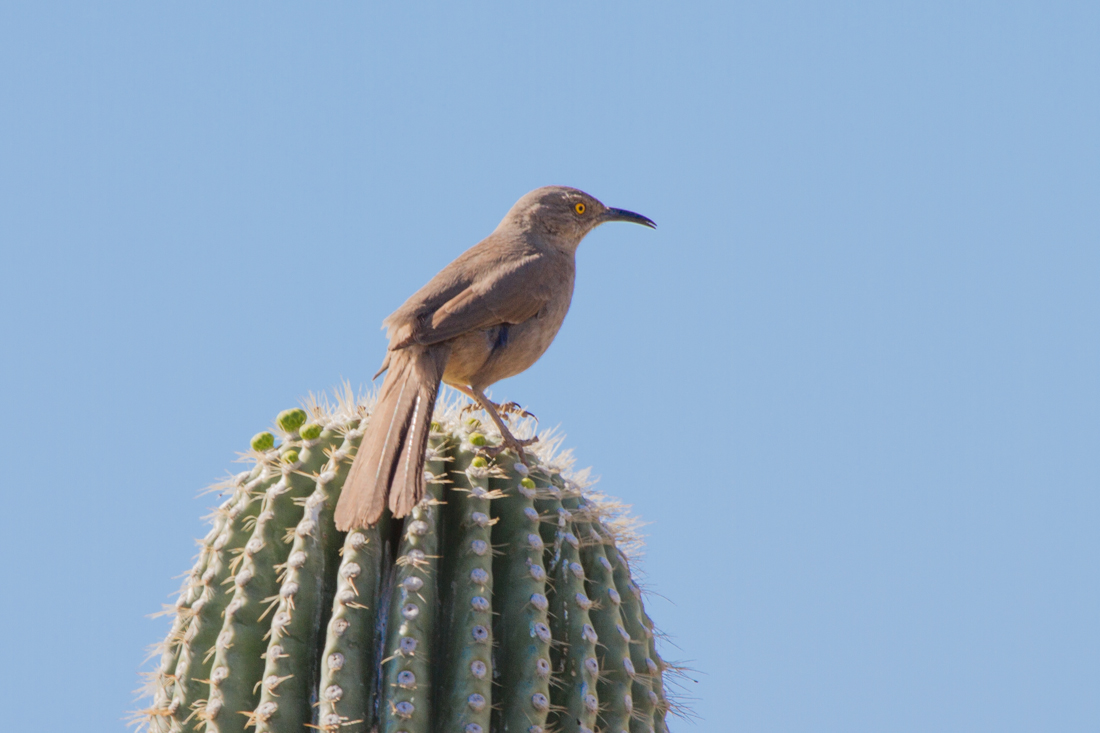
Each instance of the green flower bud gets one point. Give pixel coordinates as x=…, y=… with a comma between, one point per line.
x=291, y=420
x=263, y=441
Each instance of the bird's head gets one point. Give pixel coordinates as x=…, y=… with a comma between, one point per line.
x=564, y=215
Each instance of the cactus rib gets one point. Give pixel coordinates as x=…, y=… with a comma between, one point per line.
x=523, y=623
x=290, y=672
x=240, y=644
x=464, y=696
x=406, y=703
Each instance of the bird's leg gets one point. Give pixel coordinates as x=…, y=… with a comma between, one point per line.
x=506, y=408
x=477, y=404
x=493, y=410
x=508, y=440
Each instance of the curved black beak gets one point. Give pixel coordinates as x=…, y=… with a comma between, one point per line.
x=624, y=215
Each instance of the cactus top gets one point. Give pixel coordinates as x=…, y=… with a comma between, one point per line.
x=503, y=602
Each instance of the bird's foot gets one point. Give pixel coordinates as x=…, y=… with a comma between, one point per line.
x=506, y=408
x=512, y=408
x=493, y=410
x=472, y=407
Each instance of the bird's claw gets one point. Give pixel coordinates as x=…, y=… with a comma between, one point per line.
x=514, y=408
x=507, y=408
x=471, y=407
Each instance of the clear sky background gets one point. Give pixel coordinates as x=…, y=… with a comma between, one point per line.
x=851, y=381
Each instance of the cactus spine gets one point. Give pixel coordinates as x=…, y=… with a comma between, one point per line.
x=503, y=603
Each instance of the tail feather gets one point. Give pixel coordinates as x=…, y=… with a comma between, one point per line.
x=389, y=467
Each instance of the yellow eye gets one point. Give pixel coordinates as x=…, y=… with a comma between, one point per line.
x=579, y=208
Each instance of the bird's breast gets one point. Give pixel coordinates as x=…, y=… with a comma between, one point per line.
x=481, y=358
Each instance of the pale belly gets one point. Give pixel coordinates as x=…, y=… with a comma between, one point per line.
x=481, y=358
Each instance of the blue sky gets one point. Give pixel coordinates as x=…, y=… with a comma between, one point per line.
x=851, y=381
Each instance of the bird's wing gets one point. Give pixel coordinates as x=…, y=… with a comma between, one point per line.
x=510, y=291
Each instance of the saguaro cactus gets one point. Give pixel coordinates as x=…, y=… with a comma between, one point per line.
x=504, y=602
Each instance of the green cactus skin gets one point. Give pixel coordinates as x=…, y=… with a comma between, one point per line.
x=189, y=592
x=524, y=628
x=348, y=664
x=553, y=528
x=290, y=673
x=164, y=681
x=466, y=692
x=196, y=648
x=502, y=604
x=616, y=667
x=578, y=667
x=657, y=670
x=406, y=669
x=240, y=644
x=645, y=699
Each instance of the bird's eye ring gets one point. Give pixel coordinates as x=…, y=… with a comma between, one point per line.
x=579, y=207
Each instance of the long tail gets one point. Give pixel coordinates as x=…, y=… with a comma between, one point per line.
x=390, y=462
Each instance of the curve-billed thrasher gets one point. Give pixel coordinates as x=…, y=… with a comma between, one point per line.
x=488, y=315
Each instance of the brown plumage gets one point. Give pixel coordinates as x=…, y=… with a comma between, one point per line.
x=488, y=315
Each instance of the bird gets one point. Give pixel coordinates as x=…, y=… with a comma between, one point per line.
x=488, y=315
